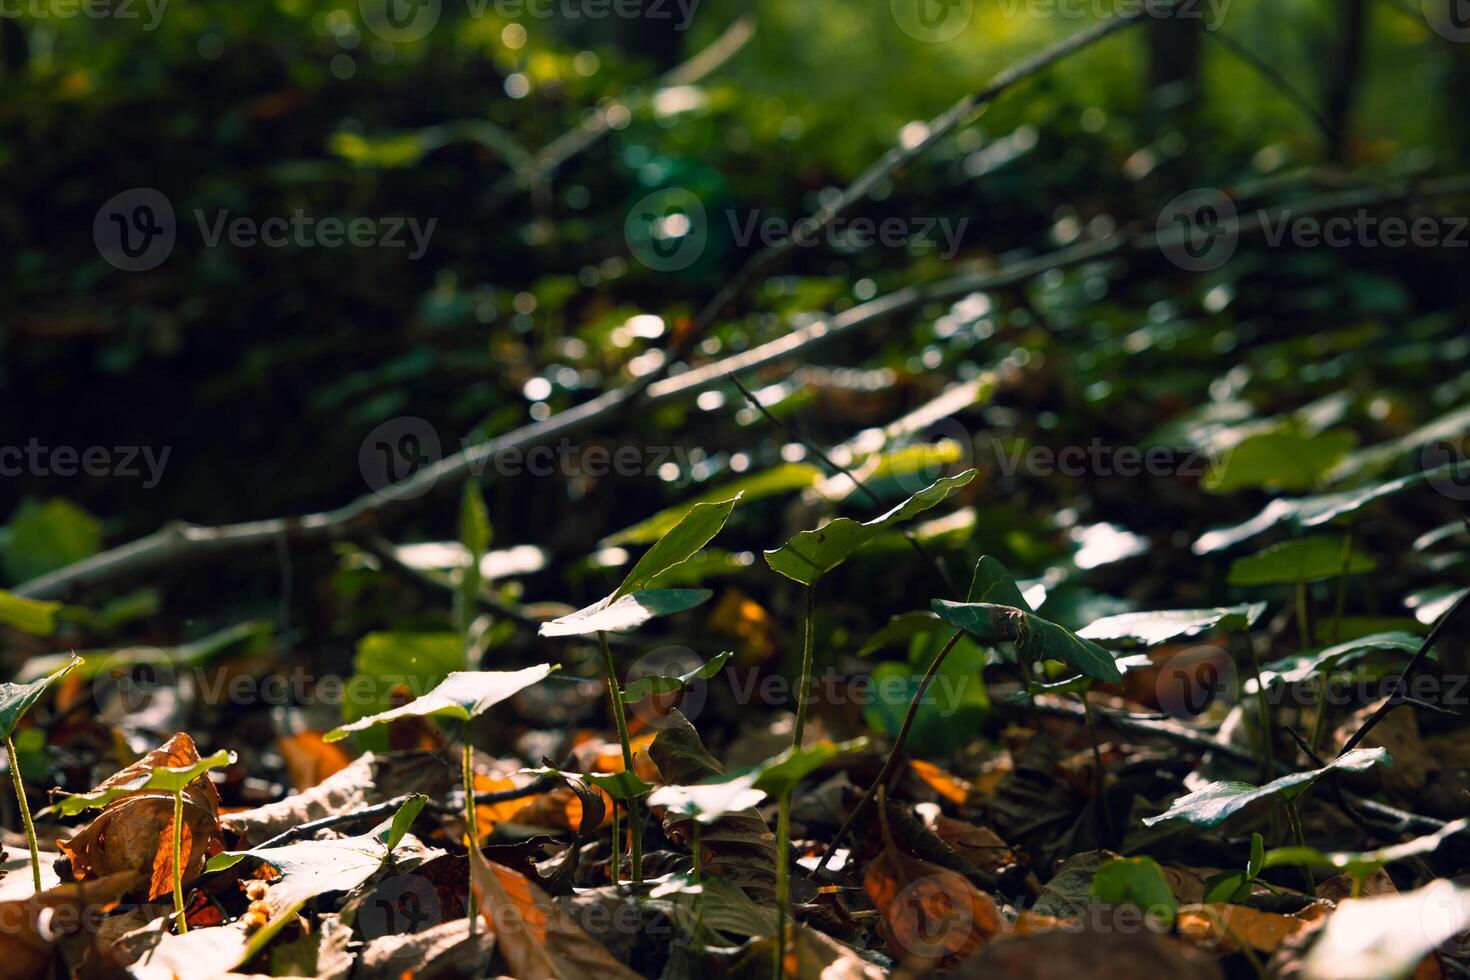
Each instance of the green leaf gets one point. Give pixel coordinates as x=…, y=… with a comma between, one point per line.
x=1292, y=670
x=474, y=521
x=1387, y=936
x=1302, y=560
x=899, y=630
x=955, y=703
x=779, y=776
x=1278, y=461
x=1227, y=886
x=1210, y=806
x=707, y=802
x=809, y=554
x=29, y=615
x=1361, y=864
x=16, y=699
x=651, y=684
x=1136, y=881
x=767, y=483
x=402, y=820
x=1257, y=861
x=169, y=779
x=1035, y=638
x=619, y=785
x=993, y=582
x=625, y=613
x=1309, y=512
x=395, y=661
x=693, y=531
x=45, y=537
x=462, y=695
x=1150, y=628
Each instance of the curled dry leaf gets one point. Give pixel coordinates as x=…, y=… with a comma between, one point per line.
x=135, y=831
x=929, y=913
x=537, y=940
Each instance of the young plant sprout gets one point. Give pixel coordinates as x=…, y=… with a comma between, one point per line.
x=15, y=701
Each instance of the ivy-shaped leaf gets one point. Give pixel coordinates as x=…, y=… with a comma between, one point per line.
x=462, y=695
x=810, y=554
x=1035, y=638
x=651, y=684
x=169, y=779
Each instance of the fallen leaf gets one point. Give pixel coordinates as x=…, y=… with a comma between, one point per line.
x=309, y=759
x=535, y=939
x=30, y=927
x=929, y=913
x=1223, y=927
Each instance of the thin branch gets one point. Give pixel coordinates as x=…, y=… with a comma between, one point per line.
x=1402, y=684
x=1277, y=80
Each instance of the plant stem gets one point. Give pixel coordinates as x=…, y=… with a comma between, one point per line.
x=1319, y=726
x=698, y=883
x=1294, y=817
x=617, y=847
x=179, y=859
x=620, y=717
x=893, y=753
x=803, y=688
x=1268, y=762
x=1104, y=816
x=1303, y=628
x=25, y=811
x=783, y=884
x=471, y=821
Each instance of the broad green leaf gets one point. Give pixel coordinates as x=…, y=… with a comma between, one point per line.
x=707, y=802
x=1315, y=511
x=619, y=785
x=462, y=695
x=1209, y=807
x=693, y=531
x=45, y=537
x=1280, y=460
x=16, y=699
x=392, y=662
x=899, y=630
x=169, y=779
x=779, y=776
x=1227, y=886
x=881, y=471
x=193, y=654
x=1361, y=864
x=1137, y=881
x=1035, y=638
x=1386, y=936
x=809, y=554
x=651, y=684
x=1293, y=670
x=1302, y=560
x=993, y=582
x=625, y=613
x=1372, y=459
x=307, y=868
x=1150, y=628
x=955, y=703
x=32, y=616
x=767, y=483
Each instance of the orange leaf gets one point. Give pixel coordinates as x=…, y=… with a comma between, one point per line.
x=162, y=880
x=309, y=760
x=929, y=913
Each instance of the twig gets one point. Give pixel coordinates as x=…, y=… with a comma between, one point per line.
x=178, y=541
x=834, y=467
x=1396, y=699
x=1277, y=80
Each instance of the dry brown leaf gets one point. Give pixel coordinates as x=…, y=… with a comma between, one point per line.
x=929, y=913
x=25, y=949
x=981, y=846
x=444, y=950
x=537, y=941
x=949, y=786
x=1070, y=954
x=1222, y=927
x=1340, y=887
x=309, y=760
x=135, y=832
x=1398, y=732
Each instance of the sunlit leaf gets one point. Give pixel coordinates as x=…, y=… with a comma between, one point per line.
x=1035, y=638
x=1302, y=560
x=1386, y=936
x=1150, y=628
x=28, y=615
x=167, y=778
x=1210, y=806
x=1361, y=864
x=625, y=613
x=462, y=695
x=1280, y=460
x=809, y=554
x=16, y=699
x=650, y=684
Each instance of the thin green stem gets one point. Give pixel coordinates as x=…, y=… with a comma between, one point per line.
x=803, y=688
x=1105, y=817
x=1294, y=817
x=620, y=717
x=893, y=753
x=617, y=847
x=1319, y=725
x=471, y=820
x=179, y=860
x=1303, y=628
x=783, y=884
x=1263, y=703
x=25, y=811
